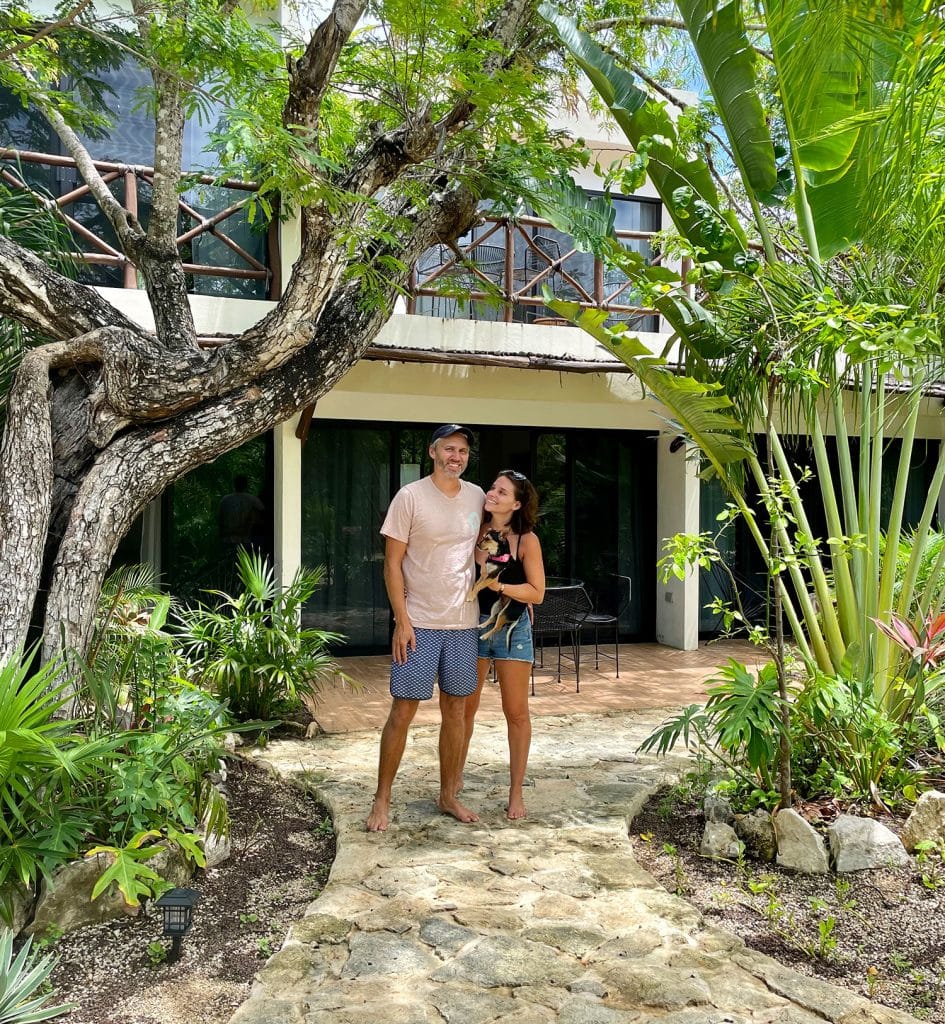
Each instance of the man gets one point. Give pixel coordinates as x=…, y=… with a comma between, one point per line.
x=240, y=514
x=430, y=532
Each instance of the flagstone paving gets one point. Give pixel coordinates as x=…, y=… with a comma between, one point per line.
x=540, y=920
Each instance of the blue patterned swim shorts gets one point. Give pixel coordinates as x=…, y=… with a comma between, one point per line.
x=449, y=654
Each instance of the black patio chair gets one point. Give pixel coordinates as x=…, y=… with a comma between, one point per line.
x=560, y=616
x=598, y=621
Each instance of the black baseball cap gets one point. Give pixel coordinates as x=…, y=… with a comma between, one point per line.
x=448, y=429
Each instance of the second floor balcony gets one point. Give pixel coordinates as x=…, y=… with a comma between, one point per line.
x=498, y=272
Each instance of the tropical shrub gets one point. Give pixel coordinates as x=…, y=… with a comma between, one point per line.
x=45, y=764
x=740, y=727
x=132, y=659
x=252, y=650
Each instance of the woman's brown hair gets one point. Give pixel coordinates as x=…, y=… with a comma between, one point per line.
x=523, y=518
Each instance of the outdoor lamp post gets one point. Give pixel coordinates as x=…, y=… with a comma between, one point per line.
x=177, y=906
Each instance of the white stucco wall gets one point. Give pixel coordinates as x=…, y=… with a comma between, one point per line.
x=677, y=511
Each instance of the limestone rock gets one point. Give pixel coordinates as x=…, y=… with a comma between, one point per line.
x=800, y=847
x=16, y=905
x=444, y=935
x=217, y=849
x=926, y=822
x=65, y=902
x=756, y=831
x=717, y=808
x=171, y=864
x=858, y=844
x=503, y=961
x=719, y=841
x=383, y=953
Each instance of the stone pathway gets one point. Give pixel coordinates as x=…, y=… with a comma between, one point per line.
x=547, y=919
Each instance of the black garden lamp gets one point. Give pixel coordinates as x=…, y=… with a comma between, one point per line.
x=177, y=907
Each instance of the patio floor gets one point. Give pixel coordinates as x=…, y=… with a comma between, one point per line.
x=651, y=676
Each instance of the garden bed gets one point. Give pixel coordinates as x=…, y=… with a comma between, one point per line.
x=283, y=848
x=879, y=933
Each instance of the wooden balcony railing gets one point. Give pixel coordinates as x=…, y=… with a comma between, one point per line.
x=503, y=270
x=498, y=274
x=124, y=180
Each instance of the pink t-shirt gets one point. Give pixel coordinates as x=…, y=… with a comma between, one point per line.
x=440, y=533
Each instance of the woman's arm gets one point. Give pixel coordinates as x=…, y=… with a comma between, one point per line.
x=532, y=592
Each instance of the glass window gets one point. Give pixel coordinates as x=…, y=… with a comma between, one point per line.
x=210, y=512
x=346, y=488
x=130, y=140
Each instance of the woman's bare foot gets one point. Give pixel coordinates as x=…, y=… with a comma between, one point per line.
x=456, y=809
x=516, y=808
x=379, y=818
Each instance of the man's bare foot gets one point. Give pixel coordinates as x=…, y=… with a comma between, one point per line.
x=456, y=809
x=379, y=818
x=516, y=808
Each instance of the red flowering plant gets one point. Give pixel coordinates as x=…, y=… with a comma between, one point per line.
x=923, y=642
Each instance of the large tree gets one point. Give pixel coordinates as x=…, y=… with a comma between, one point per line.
x=381, y=130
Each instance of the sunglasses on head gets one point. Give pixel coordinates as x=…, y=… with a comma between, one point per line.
x=513, y=474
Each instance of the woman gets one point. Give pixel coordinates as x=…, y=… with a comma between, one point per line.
x=510, y=511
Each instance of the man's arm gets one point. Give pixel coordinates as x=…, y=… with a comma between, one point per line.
x=404, y=637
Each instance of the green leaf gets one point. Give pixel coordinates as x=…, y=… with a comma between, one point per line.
x=718, y=34
x=703, y=412
x=683, y=182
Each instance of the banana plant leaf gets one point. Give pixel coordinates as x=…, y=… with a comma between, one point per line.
x=683, y=182
x=718, y=34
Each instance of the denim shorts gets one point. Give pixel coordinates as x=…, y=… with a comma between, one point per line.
x=506, y=646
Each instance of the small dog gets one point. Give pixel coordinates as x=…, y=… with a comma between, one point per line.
x=505, y=611
x=498, y=556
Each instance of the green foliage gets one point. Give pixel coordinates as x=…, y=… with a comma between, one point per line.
x=131, y=655
x=156, y=953
x=127, y=869
x=138, y=760
x=22, y=979
x=852, y=104
x=44, y=765
x=253, y=651
x=684, y=184
x=739, y=727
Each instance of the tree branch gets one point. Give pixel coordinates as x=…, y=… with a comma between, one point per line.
x=126, y=227
x=603, y=24
x=46, y=30
x=45, y=301
x=310, y=76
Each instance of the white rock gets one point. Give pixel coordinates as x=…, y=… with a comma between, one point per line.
x=858, y=844
x=927, y=820
x=800, y=847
